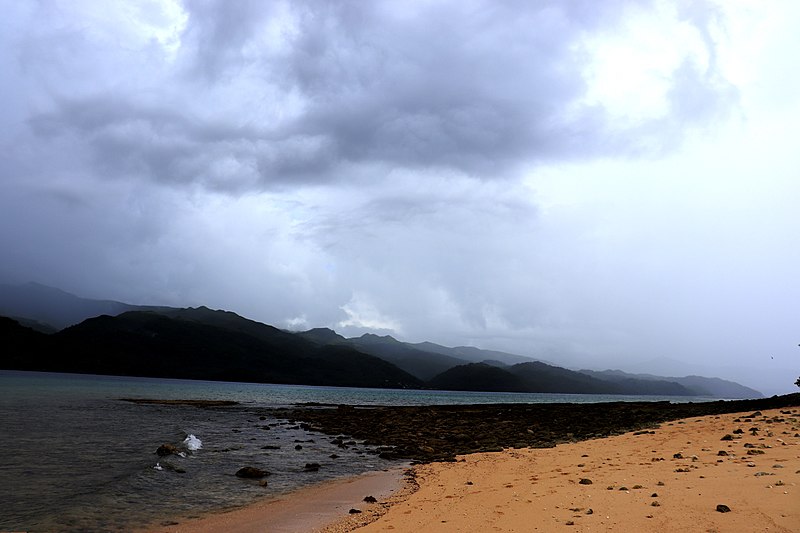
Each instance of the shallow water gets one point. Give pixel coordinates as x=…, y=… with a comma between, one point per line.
x=74, y=457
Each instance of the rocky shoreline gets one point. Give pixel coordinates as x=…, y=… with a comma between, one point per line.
x=439, y=433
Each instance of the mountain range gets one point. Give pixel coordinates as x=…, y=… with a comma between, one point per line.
x=47, y=329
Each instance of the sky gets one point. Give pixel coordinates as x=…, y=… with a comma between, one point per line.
x=595, y=184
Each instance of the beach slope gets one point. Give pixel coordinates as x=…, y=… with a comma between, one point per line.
x=730, y=472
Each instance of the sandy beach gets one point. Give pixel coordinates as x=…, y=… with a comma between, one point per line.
x=671, y=478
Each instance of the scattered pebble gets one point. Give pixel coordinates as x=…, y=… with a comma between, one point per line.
x=723, y=508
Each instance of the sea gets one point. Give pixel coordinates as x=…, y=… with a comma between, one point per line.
x=75, y=457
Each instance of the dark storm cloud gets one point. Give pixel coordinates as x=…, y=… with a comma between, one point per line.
x=311, y=91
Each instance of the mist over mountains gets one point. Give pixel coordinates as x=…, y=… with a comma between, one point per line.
x=47, y=329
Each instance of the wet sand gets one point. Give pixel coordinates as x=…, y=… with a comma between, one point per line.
x=302, y=511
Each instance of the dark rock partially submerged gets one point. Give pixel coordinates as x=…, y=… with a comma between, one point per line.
x=251, y=472
x=167, y=449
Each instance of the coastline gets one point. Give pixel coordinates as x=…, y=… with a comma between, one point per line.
x=668, y=478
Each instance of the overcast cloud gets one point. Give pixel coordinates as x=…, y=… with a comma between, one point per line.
x=592, y=183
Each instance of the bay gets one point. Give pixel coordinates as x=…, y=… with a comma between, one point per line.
x=74, y=457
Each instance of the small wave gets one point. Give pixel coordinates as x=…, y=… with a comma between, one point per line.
x=192, y=443
x=158, y=467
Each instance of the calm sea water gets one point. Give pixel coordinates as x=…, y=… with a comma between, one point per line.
x=73, y=457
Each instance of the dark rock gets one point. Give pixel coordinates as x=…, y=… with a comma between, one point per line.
x=738, y=431
x=440, y=429
x=722, y=453
x=270, y=447
x=589, y=511
x=167, y=449
x=371, y=499
x=585, y=481
x=173, y=468
x=678, y=455
x=251, y=472
x=723, y=508
x=333, y=456
x=298, y=447
x=354, y=511
x=727, y=436
x=654, y=495
x=312, y=467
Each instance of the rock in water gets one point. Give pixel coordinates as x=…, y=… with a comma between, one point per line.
x=167, y=449
x=370, y=499
x=312, y=467
x=251, y=472
x=723, y=508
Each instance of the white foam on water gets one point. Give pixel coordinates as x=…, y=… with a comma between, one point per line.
x=192, y=443
x=158, y=467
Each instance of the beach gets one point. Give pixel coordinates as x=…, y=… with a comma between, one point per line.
x=718, y=472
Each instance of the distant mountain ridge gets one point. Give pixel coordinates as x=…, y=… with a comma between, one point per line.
x=703, y=386
x=105, y=336
x=56, y=308
x=217, y=347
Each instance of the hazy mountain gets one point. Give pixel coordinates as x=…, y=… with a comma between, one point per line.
x=700, y=386
x=140, y=343
x=46, y=309
x=424, y=360
x=54, y=307
x=535, y=376
x=419, y=363
x=322, y=336
x=472, y=354
x=478, y=377
x=540, y=377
